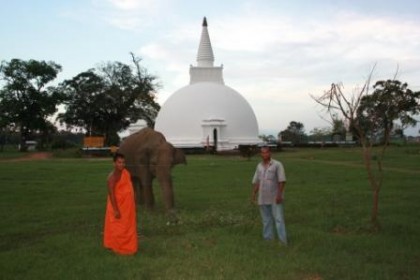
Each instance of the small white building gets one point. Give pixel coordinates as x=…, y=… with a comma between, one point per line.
x=207, y=112
x=133, y=128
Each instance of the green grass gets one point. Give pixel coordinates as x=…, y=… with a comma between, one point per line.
x=52, y=217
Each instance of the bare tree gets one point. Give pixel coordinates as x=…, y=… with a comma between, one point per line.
x=370, y=117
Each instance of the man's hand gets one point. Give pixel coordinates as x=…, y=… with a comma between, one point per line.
x=254, y=194
x=279, y=198
x=254, y=198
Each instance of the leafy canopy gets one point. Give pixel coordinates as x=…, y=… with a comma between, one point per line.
x=25, y=100
x=294, y=132
x=390, y=101
x=106, y=100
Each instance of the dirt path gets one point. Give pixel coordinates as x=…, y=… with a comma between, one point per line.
x=32, y=156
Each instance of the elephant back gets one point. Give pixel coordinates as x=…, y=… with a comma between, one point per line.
x=139, y=147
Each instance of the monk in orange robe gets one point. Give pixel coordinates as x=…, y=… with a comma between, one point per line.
x=120, y=229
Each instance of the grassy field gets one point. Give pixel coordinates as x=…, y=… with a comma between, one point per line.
x=52, y=217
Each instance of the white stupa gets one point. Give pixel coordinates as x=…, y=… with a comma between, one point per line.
x=206, y=112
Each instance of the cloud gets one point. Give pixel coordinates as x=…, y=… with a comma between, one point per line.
x=155, y=51
x=133, y=15
x=129, y=5
x=127, y=23
x=344, y=43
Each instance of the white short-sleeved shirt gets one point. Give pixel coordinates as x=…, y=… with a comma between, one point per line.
x=268, y=178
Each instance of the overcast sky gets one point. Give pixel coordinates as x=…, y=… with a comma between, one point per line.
x=274, y=52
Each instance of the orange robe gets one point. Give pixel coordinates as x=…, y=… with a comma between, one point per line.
x=120, y=235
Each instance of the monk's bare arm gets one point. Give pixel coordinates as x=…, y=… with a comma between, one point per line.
x=112, y=182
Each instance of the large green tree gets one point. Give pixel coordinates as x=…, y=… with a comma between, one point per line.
x=25, y=100
x=390, y=101
x=107, y=99
x=371, y=117
x=294, y=133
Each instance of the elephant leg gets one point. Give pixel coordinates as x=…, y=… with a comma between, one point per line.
x=149, y=199
x=147, y=190
x=165, y=182
x=137, y=190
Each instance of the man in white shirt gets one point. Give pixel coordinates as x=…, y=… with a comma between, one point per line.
x=269, y=181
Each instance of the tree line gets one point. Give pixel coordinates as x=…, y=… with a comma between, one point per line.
x=105, y=100
x=373, y=117
x=100, y=101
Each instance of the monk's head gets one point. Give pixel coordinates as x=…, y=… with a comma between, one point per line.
x=119, y=161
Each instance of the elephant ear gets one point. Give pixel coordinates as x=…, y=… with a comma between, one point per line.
x=179, y=156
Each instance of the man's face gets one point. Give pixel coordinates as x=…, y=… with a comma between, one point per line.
x=119, y=164
x=265, y=154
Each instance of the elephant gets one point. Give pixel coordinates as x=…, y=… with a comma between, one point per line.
x=148, y=155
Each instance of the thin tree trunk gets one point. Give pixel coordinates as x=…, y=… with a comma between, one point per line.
x=23, y=138
x=374, y=183
x=374, y=215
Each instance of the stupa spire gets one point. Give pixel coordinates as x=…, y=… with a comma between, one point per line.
x=205, y=70
x=205, y=57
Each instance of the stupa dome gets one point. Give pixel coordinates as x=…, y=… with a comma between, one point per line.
x=207, y=112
